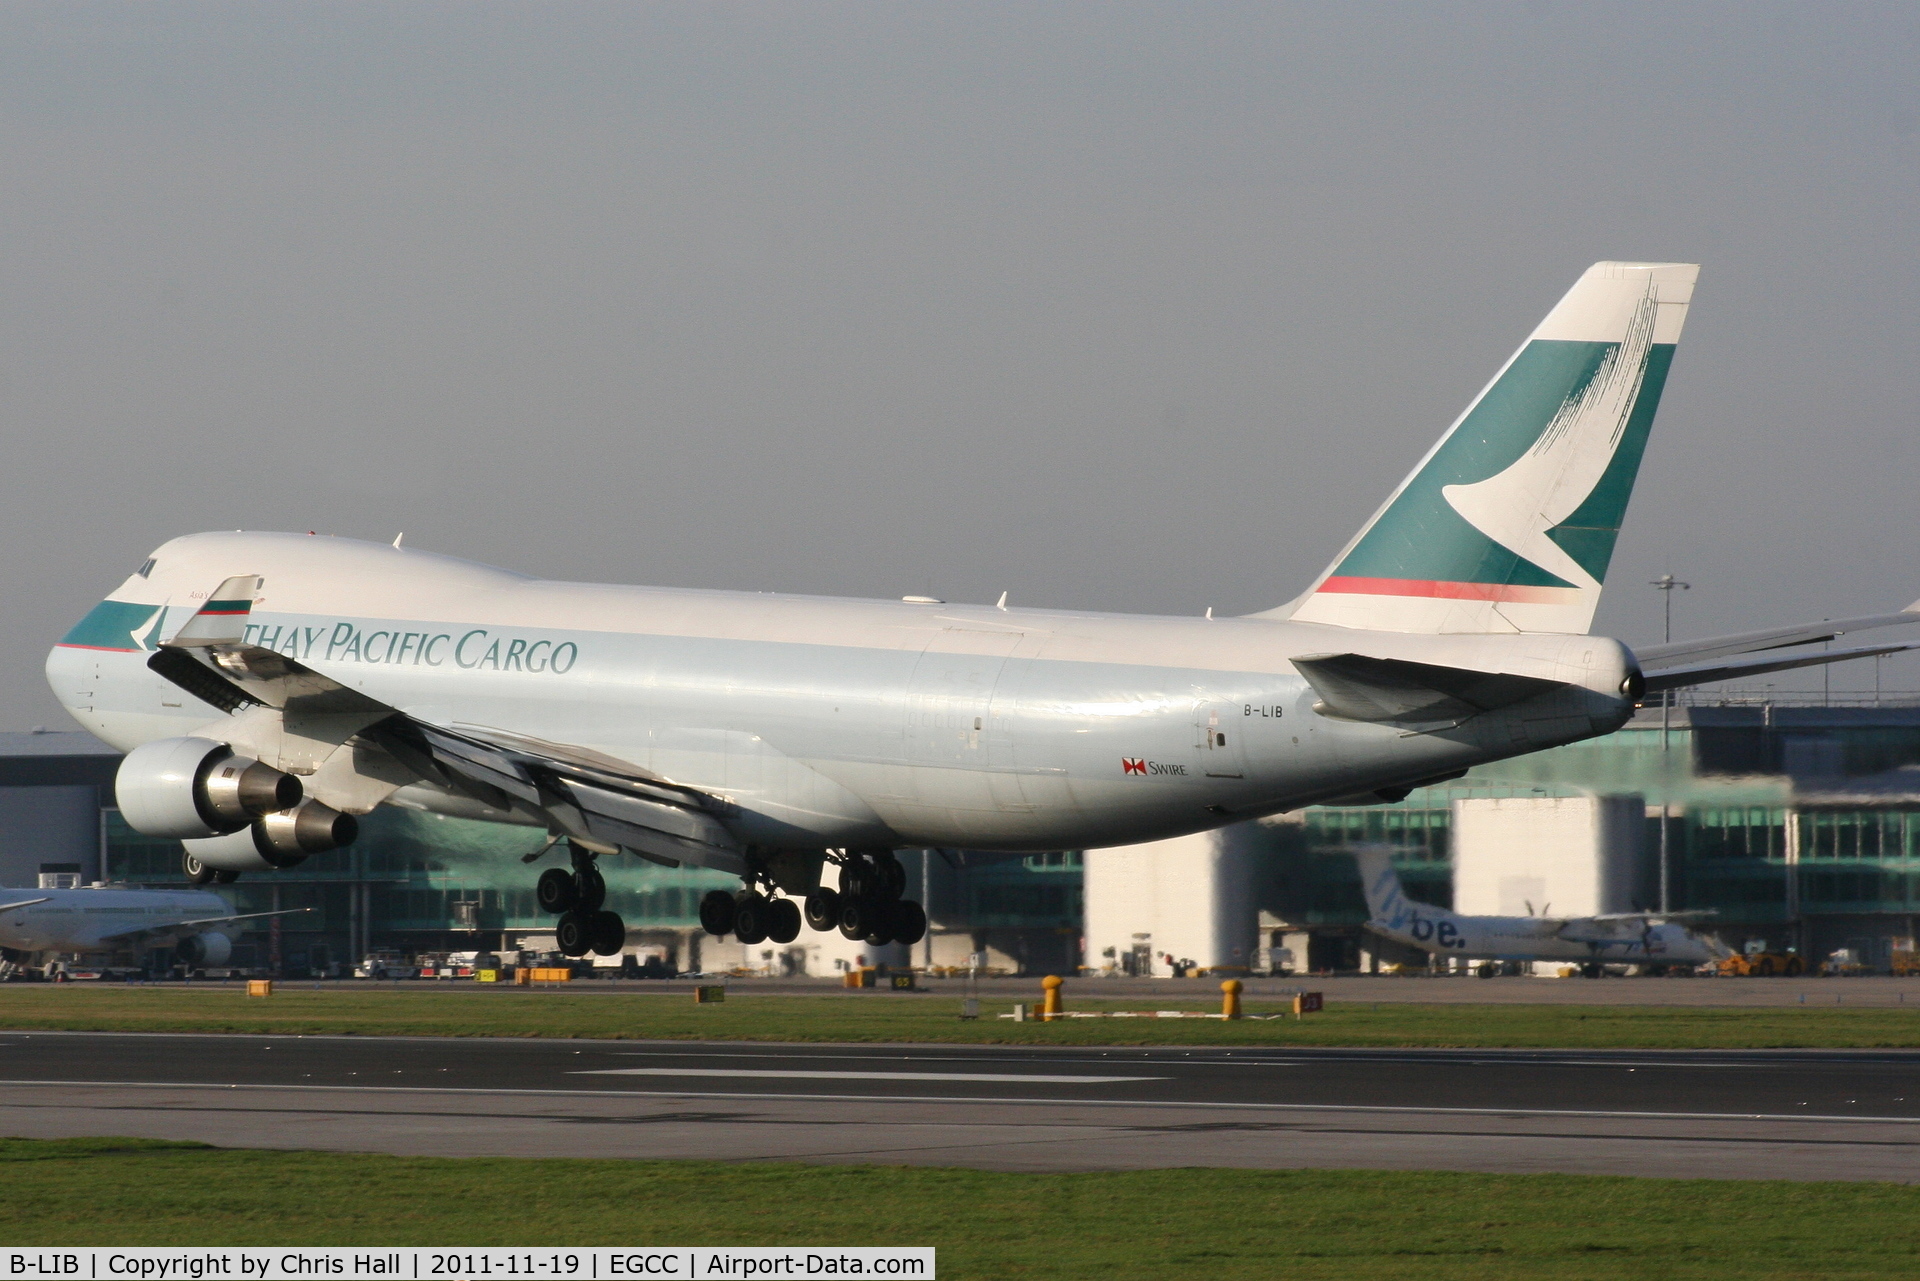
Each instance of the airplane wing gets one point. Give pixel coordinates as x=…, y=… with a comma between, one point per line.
x=1691, y=915
x=1356, y=687
x=1653, y=657
x=202, y=920
x=25, y=902
x=596, y=797
x=1731, y=669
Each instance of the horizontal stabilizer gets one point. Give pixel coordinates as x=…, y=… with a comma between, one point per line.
x=1658, y=656
x=1733, y=669
x=1356, y=687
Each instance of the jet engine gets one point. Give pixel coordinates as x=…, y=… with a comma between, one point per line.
x=195, y=787
x=204, y=949
x=280, y=839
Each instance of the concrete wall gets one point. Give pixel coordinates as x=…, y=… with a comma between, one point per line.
x=1191, y=897
x=48, y=825
x=1573, y=855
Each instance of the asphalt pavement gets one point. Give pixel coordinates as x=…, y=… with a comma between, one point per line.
x=1717, y=1114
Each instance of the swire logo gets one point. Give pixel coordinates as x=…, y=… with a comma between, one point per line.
x=1133, y=765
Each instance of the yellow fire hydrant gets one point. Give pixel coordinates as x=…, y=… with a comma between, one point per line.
x=1230, y=999
x=1050, y=1003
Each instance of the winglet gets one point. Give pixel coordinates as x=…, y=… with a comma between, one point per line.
x=223, y=619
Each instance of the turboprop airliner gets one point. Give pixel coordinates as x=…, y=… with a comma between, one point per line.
x=268, y=688
x=198, y=924
x=1629, y=938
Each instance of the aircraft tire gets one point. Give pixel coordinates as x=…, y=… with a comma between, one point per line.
x=554, y=890
x=892, y=876
x=197, y=872
x=589, y=890
x=856, y=879
x=857, y=917
x=823, y=909
x=571, y=936
x=607, y=933
x=783, y=920
x=909, y=922
x=750, y=919
x=716, y=913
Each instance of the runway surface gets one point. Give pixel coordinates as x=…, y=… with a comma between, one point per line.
x=1718, y=1114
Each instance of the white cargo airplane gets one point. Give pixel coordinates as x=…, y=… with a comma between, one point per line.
x=197, y=924
x=1624, y=938
x=269, y=687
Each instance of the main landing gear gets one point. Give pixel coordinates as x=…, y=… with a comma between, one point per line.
x=750, y=916
x=867, y=906
x=579, y=896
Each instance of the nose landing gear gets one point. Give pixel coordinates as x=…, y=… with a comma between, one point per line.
x=579, y=897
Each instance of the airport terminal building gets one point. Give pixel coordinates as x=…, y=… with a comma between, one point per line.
x=1796, y=821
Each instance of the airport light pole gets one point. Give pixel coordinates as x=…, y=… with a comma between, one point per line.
x=1665, y=585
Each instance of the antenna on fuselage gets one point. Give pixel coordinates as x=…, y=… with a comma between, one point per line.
x=396, y=539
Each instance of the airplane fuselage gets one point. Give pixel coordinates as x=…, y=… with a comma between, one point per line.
x=834, y=723
x=82, y=920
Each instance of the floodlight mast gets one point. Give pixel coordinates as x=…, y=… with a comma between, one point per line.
x=1665, y=584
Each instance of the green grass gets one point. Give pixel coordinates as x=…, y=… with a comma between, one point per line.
x=1224, y=1224
x=884, y=1016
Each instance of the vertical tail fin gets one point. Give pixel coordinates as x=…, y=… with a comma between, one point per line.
x=1508, y=524
x=1381, y=883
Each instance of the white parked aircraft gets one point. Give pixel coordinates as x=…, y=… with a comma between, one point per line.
x=197, y=924
x=269, y=687
x=1626, y=938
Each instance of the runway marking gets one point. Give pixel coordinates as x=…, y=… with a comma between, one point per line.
x=797, y=1074
x=1382, y=1109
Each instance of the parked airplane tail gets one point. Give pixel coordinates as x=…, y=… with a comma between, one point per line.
x=1508, y=523
x=1380, y=881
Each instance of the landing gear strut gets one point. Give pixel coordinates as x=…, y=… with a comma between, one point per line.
x=579, y=897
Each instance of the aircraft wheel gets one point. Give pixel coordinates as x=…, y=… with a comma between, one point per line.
x=783, y=920
x=716, y=912
x=909, y=922
x=589, y=890
x=857, y=917
x=891, y=875
x=607, y=933
x=750, y=919
x=823, y=909
x=571, y=934
x=554, y=890
x=197, y=872
x=856, y=879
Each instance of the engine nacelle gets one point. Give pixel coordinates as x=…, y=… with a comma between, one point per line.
x=195, y=787
x=281, y=839
x=204, y=949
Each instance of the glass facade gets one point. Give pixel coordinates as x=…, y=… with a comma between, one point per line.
x=1799, y=825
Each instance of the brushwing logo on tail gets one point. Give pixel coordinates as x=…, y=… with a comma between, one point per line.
x=1510, y=521
x=1566, y=463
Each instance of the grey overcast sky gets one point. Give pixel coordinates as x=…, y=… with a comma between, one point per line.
x=1124, y=306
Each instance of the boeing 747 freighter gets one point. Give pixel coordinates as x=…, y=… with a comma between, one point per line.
x=270, y=687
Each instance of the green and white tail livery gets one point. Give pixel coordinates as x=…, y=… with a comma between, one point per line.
x=1507, y=525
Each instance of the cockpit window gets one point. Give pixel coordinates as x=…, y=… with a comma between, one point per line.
x=145, y=570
